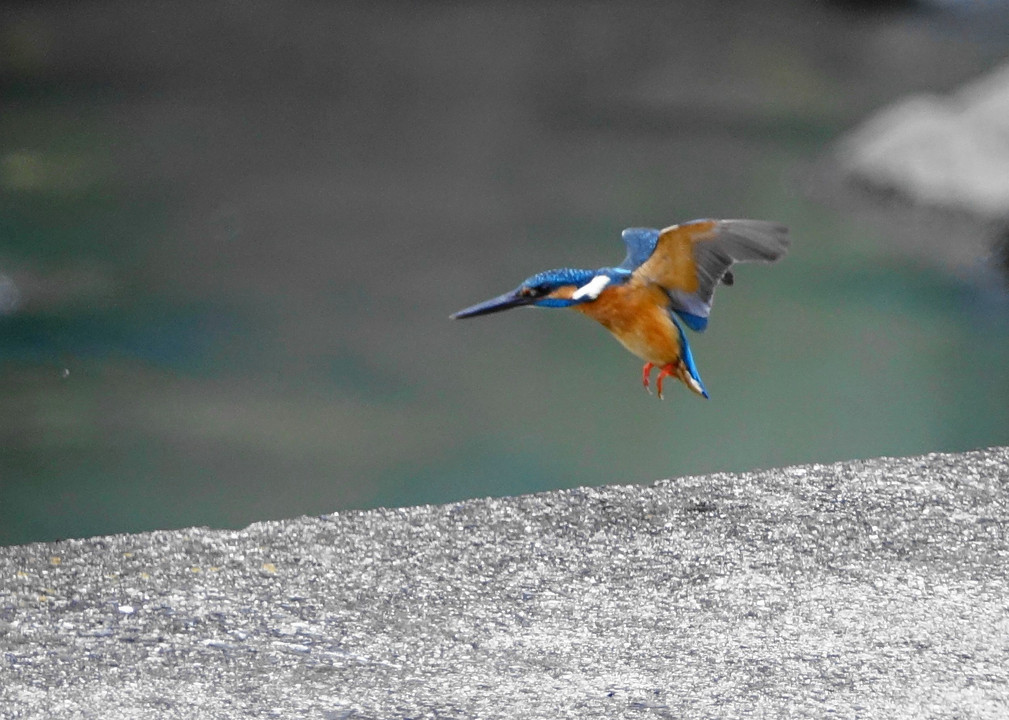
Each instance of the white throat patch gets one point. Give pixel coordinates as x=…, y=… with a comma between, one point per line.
x=592, y=288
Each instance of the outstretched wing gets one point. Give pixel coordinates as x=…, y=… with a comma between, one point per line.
x=688, y=260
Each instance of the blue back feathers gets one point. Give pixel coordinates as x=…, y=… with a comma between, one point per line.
x=694, y=322
x=640, y=244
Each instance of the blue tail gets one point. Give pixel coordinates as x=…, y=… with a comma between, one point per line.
x=688, y=357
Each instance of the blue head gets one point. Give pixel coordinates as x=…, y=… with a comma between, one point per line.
x=554, y=288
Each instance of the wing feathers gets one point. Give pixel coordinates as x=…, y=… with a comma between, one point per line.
x=751, y=240
x=688, y=260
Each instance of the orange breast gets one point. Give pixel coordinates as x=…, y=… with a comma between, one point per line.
x=637, y=317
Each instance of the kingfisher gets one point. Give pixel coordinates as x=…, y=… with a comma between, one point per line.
x=666, y=281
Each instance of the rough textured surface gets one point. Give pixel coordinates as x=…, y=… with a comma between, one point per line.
x=861, y=589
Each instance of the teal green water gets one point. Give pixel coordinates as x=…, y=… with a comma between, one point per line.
x=234, y=298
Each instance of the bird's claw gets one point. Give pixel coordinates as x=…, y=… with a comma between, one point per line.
x=645, y=373
x=664, y=372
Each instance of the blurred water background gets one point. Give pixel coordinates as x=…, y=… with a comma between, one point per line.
x=231, y=234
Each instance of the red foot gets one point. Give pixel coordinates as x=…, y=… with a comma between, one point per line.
x=645, y=372
x=666, y=371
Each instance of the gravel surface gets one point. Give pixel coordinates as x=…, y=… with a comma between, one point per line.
x=870, y=589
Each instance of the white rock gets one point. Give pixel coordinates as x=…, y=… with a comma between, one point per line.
x=950, y=152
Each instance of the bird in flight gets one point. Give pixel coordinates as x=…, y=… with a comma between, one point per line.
x=666, y=281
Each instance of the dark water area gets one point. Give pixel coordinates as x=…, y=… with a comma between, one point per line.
x=231, y=235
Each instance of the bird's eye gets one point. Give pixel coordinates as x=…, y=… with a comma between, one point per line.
x=537, y=291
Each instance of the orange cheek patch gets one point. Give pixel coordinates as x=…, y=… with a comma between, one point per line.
x=564, y=292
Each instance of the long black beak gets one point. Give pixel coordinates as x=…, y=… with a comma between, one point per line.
x=501, y=302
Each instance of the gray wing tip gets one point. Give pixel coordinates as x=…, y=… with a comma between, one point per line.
x=768, y=237
x=768, y=226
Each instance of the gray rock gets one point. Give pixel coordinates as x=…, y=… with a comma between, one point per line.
x=871, y=589
x=930, y=175
x=947, y=152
